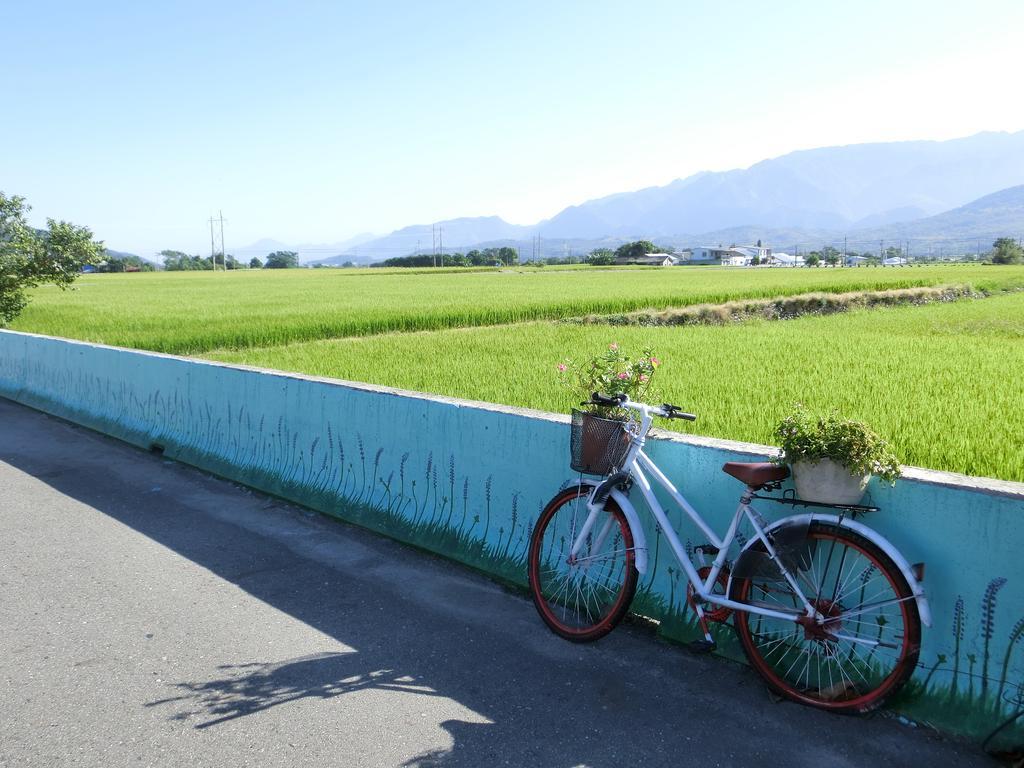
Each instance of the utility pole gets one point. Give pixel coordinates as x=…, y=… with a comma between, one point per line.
x=440, y=242
x=223, y=250
x=213, y=248
x=433, y=246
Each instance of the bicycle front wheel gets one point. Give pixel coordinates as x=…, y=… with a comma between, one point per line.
x=581, y=597
x=863, y=648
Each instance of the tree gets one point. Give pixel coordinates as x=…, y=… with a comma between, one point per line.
x=173, y=260
x=601, y=257
x=127, y=263
x=830, y=255
x=29, y=257
x=282, y=260
x=1005, y=250
x=176, y=261
x=813, y=259
x=635, y=249
x=255, y=263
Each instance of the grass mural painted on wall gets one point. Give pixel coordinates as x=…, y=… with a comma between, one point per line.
x=940, y=381
x=160, y=311
x=977, y=680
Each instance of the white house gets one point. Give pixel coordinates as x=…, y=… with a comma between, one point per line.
x=650, y=260
x=781, y=259
x=706, y=254
x=733, y=256
x=855, y=261
x=894, y=261
x=761, y=253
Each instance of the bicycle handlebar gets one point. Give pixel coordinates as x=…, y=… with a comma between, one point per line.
x=621, y=400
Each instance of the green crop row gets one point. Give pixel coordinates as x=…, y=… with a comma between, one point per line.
x=194, y=312
x=942, y=382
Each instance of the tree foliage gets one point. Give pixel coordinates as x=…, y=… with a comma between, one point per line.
x=601, y=257
x=282, y=260
x=1005, y=250
x=635, y=249
x=129, y=262
x=255, y=263
x=488, y=257
x=176, y=261
x=29, y=257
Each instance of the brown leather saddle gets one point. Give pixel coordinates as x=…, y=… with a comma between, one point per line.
x=756, y=474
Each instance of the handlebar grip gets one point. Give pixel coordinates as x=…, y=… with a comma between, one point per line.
x=673, y=412
x=596, y=398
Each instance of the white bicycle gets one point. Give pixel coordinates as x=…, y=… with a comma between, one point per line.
x=826, y=609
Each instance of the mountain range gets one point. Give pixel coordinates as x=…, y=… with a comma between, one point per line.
x=928, y=190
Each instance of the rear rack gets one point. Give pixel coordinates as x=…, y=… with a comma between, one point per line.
x=789, y=497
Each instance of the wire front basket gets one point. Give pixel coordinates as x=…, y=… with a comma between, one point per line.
x=596, y=445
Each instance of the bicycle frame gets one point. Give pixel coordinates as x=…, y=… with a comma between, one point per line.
x=637, y=464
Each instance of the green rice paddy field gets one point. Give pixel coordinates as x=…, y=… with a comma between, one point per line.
x=189, y=312
x=942, y=381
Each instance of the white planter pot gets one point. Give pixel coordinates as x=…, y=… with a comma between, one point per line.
x=828, y=482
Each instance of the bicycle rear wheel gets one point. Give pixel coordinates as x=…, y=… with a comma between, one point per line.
x=581, y=597
x=866, y=647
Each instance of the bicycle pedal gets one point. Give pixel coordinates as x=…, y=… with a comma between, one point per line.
x=707, y=549
x=701, y=646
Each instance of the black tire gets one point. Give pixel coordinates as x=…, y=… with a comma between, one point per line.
x=834, y=666
x=581, y=599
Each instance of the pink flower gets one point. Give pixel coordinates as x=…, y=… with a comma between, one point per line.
x=623, y=375
x=613, y=346
x=655, y=362
x=643, y=378
x=562, y=367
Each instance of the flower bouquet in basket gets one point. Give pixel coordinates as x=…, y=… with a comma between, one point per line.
x=598, y=440
x=833, y=458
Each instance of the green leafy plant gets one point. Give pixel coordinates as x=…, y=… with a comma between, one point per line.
x=806, y=437
x=611, y=372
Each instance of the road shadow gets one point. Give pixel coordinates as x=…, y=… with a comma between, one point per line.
x=245, y=689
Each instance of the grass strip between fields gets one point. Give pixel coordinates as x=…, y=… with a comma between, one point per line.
x=790, y=307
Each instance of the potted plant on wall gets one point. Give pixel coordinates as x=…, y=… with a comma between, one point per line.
x=833, y=458
x=598, y=440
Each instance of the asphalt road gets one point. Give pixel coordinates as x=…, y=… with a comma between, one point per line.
x=153, y=615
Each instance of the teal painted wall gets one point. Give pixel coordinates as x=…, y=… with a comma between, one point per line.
x=468, y=480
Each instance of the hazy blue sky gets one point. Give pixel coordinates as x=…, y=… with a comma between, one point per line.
x=312, y=121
